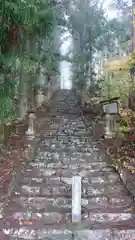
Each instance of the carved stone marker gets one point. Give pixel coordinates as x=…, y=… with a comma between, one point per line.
x=76, y=199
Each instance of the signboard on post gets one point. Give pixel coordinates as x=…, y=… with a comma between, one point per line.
x=111, y=108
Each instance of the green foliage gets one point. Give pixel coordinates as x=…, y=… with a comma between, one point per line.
x=119, y=86
x=30, y=66
x=92, y=34
x=7, y=87
x=7, y=108
x=8, y=63
x=21, y=20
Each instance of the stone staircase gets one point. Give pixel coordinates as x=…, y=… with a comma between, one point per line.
x=40, y=205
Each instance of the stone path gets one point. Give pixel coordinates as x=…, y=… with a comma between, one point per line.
x=40, y=205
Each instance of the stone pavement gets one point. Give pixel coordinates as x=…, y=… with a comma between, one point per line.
x=40, y=205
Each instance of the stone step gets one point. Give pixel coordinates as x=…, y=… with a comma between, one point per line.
x=42, y=233
x=65, y=190
x=67, y=128
x=72, y=163
x=93, y=156
x=105, y=234
x=63, y=233
x=66, y=147
x=70, y=140
x=74, y=134
x=89, y=220
x=71, y=149
x=66, y=172
x=100, y=178
x=63, y=205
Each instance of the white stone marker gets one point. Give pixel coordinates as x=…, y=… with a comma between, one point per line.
x=76, y=199
x=108, y=132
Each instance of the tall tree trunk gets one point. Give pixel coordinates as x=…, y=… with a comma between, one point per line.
x=90, y=57
x=22, y=101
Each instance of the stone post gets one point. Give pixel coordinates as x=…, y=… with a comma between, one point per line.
x=40, y=98
x=31, y=125
x=114, y=124
x=110, y=125
x=111, y=113
x=76, y=199
x=108, y=132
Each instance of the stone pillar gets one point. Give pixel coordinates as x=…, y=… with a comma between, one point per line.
x=31, y=125
x=110, y=125
x=114, y=124
x=108, y=132
x=76, y=199
x=40, y=98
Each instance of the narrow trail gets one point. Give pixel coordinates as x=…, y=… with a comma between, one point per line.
x=40, y=205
